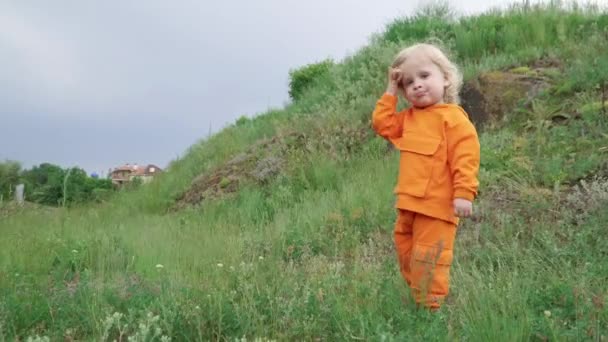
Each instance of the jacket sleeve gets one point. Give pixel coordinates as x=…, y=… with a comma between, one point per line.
x=463, y=158
x=385, y=121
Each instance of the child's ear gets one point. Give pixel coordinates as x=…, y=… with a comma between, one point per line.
x=446, y=82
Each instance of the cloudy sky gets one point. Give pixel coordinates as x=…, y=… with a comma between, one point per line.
x=96, y=84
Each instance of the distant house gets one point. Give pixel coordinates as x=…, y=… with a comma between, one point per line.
x=126, y=173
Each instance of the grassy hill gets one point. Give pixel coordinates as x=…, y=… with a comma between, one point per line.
x=279, y=227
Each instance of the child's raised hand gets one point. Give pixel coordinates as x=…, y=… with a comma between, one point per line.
x=394, y=78
x=463, y=207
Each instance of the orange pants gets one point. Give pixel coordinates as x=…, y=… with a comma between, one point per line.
x=424, y=249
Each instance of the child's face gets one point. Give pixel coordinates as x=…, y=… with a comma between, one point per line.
x=423, y=81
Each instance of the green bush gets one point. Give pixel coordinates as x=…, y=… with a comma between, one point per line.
x=302, y=78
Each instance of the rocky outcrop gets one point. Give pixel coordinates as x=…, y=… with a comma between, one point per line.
x=490, y=97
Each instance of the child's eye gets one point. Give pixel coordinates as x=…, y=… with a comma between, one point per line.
x=424, y=75
x=407, y=82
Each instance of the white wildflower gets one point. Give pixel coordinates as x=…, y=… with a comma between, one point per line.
x=38, y=339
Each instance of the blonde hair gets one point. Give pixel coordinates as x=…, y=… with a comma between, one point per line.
x=439, y=58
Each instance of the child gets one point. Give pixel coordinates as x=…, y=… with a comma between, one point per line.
x=437, y=170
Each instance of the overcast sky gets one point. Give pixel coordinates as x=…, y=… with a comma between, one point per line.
x=96, y=84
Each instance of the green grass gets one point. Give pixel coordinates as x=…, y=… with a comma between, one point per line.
x=309, y=255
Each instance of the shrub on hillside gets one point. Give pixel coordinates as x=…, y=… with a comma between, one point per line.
x=302, y=78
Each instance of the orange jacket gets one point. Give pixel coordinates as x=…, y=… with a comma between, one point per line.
x=439, y=155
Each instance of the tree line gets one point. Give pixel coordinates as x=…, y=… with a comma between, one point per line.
x=52, y=185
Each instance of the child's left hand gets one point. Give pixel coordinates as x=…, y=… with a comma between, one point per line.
x=463, y=207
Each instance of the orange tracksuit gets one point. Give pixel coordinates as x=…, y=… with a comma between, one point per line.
x=439, y=161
